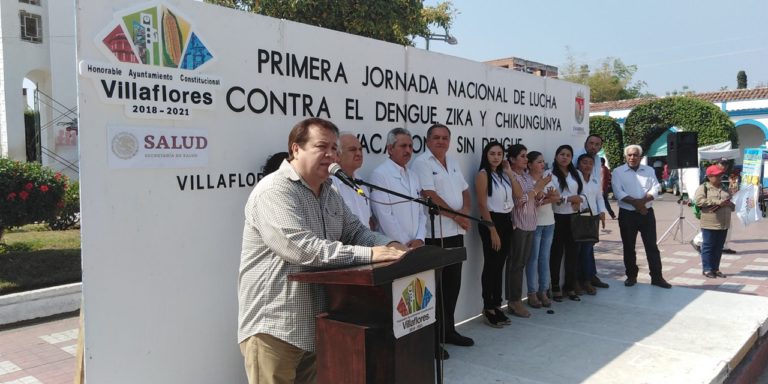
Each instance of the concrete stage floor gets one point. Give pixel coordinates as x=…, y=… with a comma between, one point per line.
x=640, y=334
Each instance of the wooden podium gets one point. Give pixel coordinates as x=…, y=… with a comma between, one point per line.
x=355, y=342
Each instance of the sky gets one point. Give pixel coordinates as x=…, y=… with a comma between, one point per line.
x=674, y=43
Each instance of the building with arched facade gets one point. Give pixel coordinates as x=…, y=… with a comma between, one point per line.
x=747, y=109
x=38, y=47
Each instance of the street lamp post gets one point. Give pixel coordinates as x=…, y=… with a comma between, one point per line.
x=448, y=38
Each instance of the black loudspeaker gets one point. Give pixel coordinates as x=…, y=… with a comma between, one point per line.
x=683, y=150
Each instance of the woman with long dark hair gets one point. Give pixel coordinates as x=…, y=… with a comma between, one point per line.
x=570, y=187
x=527, y=194
x=593, y=193
x=494, y=200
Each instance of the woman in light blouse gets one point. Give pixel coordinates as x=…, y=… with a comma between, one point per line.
x=593, y=192
x=494, y=199
x=570, y=187
x=537, y=269
x=527, y=194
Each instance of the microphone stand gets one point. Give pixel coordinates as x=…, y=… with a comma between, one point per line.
x=432, y=207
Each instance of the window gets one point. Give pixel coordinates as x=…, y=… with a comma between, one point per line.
x=31, y=27
x=33, y=2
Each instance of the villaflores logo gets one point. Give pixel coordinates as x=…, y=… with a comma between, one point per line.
x=156, y=55
x=156, y=36
x=415, y=297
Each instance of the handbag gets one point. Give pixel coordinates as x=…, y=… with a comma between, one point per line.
x=696, y=208
x=584, y=226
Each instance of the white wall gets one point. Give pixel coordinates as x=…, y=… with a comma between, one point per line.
x=51, y=64
x=160, y=262
x=63, y=69
x=19, y=57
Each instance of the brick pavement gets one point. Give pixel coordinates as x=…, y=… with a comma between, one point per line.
x=44, y=353
x=747, y=270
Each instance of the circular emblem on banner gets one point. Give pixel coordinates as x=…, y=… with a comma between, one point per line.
x=579, y=112
x=125, y=145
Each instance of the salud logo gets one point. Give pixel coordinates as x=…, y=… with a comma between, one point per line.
x=415, y=297
x=155, y=35
x=579, y=107
x=125, y=145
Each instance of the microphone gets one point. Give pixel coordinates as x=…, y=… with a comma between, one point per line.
x=335, y=169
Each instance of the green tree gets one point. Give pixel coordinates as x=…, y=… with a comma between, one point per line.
x=648, y=121
x=612, y=80
x=395, y=21
x=741, y=80
x=613, y=138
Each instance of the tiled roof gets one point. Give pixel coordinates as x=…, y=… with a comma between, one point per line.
x=719, y=96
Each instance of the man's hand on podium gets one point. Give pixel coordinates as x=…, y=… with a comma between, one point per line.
x=389, y=252
x=415, y=243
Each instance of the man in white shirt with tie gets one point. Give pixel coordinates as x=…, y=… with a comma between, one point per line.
x=350, y=160
x=635, y=187
x=398, y=219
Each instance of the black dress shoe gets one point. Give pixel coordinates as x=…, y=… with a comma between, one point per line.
x=661, y=283
x=459, y=340
x=728, y=251
x=596, y=282
x=504, y=319
x=630, y=281
x=441, y=353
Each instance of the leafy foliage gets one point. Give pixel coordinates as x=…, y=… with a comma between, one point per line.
x=68, y=216
x=29, y=193
x=395, y=21
x=613, y=138
x=611, y=81
x=648, y=121
x=741, y=80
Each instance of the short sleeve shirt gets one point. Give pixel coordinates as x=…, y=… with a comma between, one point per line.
x=448, y=182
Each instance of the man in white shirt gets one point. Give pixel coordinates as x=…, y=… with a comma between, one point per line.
x=350, y=160
x=635, y=187
x=592, y=146
x=441, y=181
x=398, y=219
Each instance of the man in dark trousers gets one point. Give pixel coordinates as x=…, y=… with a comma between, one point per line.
x=442, y=181
x=635, y=187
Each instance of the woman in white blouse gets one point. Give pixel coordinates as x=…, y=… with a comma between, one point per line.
x=592, y=191
x=494, y=199
x=569, y=185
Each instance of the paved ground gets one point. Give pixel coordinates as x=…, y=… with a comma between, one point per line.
x=747, y=270
x=44, y=353
x=39, y=353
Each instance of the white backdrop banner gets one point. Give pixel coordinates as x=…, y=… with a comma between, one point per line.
x=181, y=103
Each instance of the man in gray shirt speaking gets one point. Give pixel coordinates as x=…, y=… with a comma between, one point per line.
x=295, y=222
